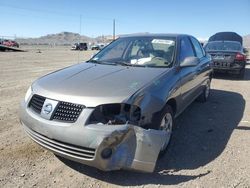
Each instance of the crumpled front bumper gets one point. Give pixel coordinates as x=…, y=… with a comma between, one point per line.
x=132, y=147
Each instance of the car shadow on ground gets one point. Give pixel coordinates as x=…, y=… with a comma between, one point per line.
x=227, y=76
x=201, y=134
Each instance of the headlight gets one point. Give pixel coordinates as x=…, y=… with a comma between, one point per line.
x=28, y=93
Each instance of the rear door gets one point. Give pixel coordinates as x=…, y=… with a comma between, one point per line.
x=202, y=69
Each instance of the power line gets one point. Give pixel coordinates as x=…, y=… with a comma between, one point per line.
x=38, y=10
x=52, y=12
x=57, y=13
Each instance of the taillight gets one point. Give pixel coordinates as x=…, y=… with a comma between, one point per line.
x=240, y=57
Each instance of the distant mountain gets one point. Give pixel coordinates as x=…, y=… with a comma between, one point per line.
x=69, y=38
x=63, y=38
x=246, y=41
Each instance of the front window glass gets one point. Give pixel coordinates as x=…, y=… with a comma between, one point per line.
x=223, y=46
x=138, y=51
x=186, y=49
x=197, y=47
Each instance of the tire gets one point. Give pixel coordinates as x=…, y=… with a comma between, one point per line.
x=241, y=74
x=164, y=121
x=205, y=93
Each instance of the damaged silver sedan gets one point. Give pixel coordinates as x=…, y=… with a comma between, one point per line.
x=117, y=110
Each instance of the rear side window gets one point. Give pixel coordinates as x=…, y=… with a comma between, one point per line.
x=186, y=49
x=199, y=51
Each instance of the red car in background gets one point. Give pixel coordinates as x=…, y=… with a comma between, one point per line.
x=10, y=43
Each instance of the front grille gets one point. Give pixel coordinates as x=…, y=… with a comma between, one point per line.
x=67, y=112
x=36, y=103
x=61, y=147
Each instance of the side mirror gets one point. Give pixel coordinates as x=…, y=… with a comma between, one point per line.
x=190, y=62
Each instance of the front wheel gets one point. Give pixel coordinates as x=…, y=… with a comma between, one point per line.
x=165, y=122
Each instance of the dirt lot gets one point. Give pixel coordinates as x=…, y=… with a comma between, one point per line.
x=210, y=145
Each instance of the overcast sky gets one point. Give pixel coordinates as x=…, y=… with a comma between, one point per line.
x=34, y=18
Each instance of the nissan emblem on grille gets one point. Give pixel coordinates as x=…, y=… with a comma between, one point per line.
x=48, y=107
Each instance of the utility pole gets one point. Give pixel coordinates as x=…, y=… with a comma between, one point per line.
x=80, y=31
x=113, y=29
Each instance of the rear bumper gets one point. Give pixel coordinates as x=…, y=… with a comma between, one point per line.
x=132, y=147
x=234, y=71
x=226, y=67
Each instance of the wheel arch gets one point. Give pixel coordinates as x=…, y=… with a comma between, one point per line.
x=172, y=102
x=210, y=76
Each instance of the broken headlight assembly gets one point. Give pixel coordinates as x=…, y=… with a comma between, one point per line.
x=115, y=114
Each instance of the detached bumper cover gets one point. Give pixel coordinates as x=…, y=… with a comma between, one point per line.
x=132, y=147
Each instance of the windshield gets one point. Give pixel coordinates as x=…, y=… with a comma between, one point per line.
x=223, y=46
x=138, y=51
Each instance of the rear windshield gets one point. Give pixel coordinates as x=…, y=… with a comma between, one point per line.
x=223, y=46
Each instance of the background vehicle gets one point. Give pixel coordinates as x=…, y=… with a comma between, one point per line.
x=97, y=47
x=10, y=43
x=117, y=110
x=227, y=53
x=80, y=46
x=245, y=50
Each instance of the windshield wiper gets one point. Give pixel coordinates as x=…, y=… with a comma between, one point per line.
x=101, y=62
x=93, y=61
x=123, y=63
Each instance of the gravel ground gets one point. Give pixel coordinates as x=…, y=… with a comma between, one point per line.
x=210, y=145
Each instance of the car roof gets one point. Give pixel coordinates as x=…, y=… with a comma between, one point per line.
x=154, y=35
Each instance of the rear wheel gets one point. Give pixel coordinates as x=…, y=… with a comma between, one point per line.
x=241, y=73
x=205, y=93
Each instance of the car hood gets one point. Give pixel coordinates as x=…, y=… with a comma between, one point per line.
x=94, y=84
